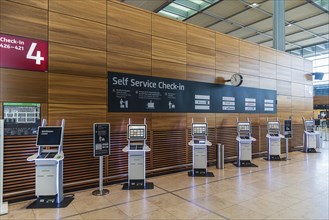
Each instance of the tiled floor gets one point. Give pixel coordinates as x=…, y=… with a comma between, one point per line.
x=294, y=189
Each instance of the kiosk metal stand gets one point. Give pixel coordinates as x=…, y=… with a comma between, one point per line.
x=287, y=132
x=3, y=205
x=244, y=140
x=136, y=149
x=273, y=141
x=199, y=144
x=49, y=168
x=101, y=149
x=310, y=137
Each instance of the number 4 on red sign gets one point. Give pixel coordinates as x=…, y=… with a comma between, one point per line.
x=38, y=58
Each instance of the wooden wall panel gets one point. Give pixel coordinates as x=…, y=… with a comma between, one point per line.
x=75, y=31
x=43, y=4
x=21, y=20
x=283, y=73
x=267, y=54
x=200, y=37
x=227, y=62
x=79, y=118
x=226, y=120
x=168, y=121
x=249, y=50
x=200, y=118
x=267, y=70
x=250, y=81
x=200, y=74
x=321, y=100
x=297, y=89
x=297, y=62
x=96, y=9
x=128, y=64
x=23, y=86
x=297, y=103
x=283, y=87
x=168, y=50
x=168, y=69
x=308, y=89
x=202, y=57
x=266, y=83
x=76, y=60
x=128, y=42
x=308, y=104
x=221, y=76
x=283, y=59
x=227, y=44
x=249, y=66
x=77, y=89
x=299, y=76
x=284, y=103
x=308, y=66
x=127, y=17
x=164, y=27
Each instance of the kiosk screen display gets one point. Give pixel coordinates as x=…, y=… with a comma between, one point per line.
x=199, y=129
x=243, y=127
x=49, y=136
x=309, y=126
x=273, y=126
x=136, y=132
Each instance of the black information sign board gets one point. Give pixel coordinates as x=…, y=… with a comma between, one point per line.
x=136, y=93
x=287, y=128
x=101, y=139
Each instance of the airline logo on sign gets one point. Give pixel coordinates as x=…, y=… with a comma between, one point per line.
x=23, y=53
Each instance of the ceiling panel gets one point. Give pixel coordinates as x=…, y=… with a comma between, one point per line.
x=226, y=8
x=202, y=20
x=298, y=36
x=242, y=33
x=223, y=27
x=258, y=38
x=248, y=17
x=289, y=4
x=314, y=21
x=263, y=25
x=268, y=44
x=324, y=29
x=310, y=41
x=302, y=12
x=146, y=4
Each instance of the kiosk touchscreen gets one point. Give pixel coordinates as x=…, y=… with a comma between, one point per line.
x=244, y=140
x=273, y=140
x=49, y=168
x=136, y=149
x=310, y=136
x=199, y=144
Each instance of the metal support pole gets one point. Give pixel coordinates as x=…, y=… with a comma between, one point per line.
x=101, y=191
x=279, y=25
x=3, y=206
x=287, y=149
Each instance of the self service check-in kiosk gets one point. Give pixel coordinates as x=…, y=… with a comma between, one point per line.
x=273, y=140
x=244, y=140
x=199, y=144
x=49, y=168
x=310, y=136
x=136, y=149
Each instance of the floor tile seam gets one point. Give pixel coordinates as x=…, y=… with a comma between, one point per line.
x=114, y=205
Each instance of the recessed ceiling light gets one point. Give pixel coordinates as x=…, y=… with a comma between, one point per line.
x=254, y=5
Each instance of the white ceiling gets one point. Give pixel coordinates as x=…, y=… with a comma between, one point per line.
x=309, y=24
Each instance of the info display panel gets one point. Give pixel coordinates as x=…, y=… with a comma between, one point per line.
x=49, y=136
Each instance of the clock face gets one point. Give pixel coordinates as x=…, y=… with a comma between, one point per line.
x=236, y=79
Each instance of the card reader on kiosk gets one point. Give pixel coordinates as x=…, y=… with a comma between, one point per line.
x=310, y=136
x=49, y=167
x=244, y=140
x=136, y=149
x=273, y=140
x=199, y=144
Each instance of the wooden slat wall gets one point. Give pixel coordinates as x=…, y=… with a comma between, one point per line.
x=111, y=36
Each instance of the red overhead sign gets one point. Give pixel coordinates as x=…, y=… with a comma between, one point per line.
x=23, y=53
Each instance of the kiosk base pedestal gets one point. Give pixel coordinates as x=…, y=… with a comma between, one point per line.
x=148, y=185
x=199, y=172
x=4, y=208
x=50, y=202
x=274, y=158
x=101, y=192
x=245, y=163
x=310, y=150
